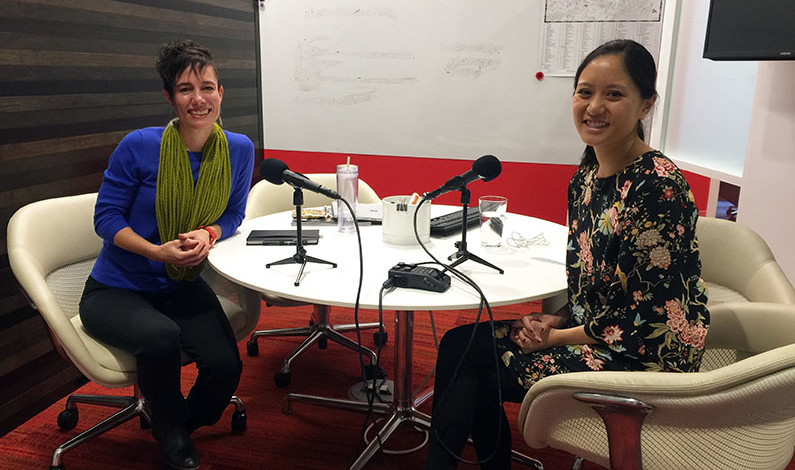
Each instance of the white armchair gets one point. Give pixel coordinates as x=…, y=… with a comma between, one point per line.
x=52, y=247
x=741, y=415
x=737, y=412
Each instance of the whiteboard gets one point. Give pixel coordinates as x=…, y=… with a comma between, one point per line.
x=438, y=78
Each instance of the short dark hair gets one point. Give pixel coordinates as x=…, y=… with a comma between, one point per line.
x=639, y=65
x=182, y=54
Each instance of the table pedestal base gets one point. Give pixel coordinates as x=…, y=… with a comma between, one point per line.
x=394, y=418
x=403, y=406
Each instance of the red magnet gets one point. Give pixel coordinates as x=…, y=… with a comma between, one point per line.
x=539, y=75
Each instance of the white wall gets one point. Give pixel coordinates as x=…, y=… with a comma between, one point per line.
x=710, y=103
x=439, y=78
x=767, y=196
x=735, y=122
x=732, y=121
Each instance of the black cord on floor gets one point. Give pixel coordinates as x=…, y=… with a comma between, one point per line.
x=483, y=303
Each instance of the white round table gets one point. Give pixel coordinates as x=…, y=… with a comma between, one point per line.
x=530, y=273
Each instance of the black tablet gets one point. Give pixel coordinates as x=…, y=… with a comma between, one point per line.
x=282, y=237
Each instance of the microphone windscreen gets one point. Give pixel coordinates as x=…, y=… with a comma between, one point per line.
x=488, y=167
x=272, y=169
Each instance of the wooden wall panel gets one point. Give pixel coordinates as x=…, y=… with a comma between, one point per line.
x=75, y=77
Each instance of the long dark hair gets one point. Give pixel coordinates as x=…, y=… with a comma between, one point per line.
x=639, y=65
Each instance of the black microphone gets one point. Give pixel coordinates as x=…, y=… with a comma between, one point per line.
x=486, y=168
x=276, y=172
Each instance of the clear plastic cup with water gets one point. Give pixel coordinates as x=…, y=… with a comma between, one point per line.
x=493, y=213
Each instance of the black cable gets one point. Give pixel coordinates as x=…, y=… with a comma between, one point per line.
x=483, y=302
x=370, y=397
x=370, y=392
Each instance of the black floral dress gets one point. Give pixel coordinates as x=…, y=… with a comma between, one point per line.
x=634, y=276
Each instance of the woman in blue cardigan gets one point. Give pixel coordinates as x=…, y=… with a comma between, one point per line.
x=167, y=195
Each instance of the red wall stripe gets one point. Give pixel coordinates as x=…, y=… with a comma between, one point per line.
x=535, y=189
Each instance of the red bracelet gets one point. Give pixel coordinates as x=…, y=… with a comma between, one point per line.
x=213, y=236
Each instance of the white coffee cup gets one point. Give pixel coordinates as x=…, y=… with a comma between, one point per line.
x=398, y=221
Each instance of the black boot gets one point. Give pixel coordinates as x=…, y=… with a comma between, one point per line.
x=190, y=426
x=175, y=445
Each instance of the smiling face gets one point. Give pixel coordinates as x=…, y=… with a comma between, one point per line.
x=196, y=99
x=607, y=105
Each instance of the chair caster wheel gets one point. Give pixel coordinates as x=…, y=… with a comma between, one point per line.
x=371, y=373
x=380, y=338
x=322, y=343
x=67, y=419
x=252, y=348
x=281, y=379
x=239, y=421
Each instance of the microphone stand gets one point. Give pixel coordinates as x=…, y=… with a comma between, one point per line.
x=462, y=254
x=300, y=256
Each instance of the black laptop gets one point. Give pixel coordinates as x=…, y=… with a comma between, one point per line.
x=282, y=237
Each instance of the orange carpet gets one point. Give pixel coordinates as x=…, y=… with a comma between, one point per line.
x=310, y=438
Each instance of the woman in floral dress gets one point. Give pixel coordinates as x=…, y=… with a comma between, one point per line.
x=635, y=297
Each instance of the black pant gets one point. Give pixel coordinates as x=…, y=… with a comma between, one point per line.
x=467, y=403
x=157, y=328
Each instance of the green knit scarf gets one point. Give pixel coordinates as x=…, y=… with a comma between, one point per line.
x=179, y=206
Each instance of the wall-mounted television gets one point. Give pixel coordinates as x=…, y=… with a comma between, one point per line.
x=750, y=30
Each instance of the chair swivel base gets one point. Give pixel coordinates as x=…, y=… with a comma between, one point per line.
x=319, y=331
x=130, y=407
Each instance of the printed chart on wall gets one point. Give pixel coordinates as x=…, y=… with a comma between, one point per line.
x=573, y=28
x=441, y=78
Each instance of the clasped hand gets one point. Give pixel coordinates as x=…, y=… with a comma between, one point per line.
x=189, y=249
x=531, y=332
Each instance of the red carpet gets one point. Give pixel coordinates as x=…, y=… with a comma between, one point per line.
x=311, y=437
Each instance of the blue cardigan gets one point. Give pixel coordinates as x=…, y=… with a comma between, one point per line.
x=127, y=199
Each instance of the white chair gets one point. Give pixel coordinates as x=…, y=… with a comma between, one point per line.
x=738, y=266
x=738, y=411
x=740, y=415
x=52, y=247
x=266, y=198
